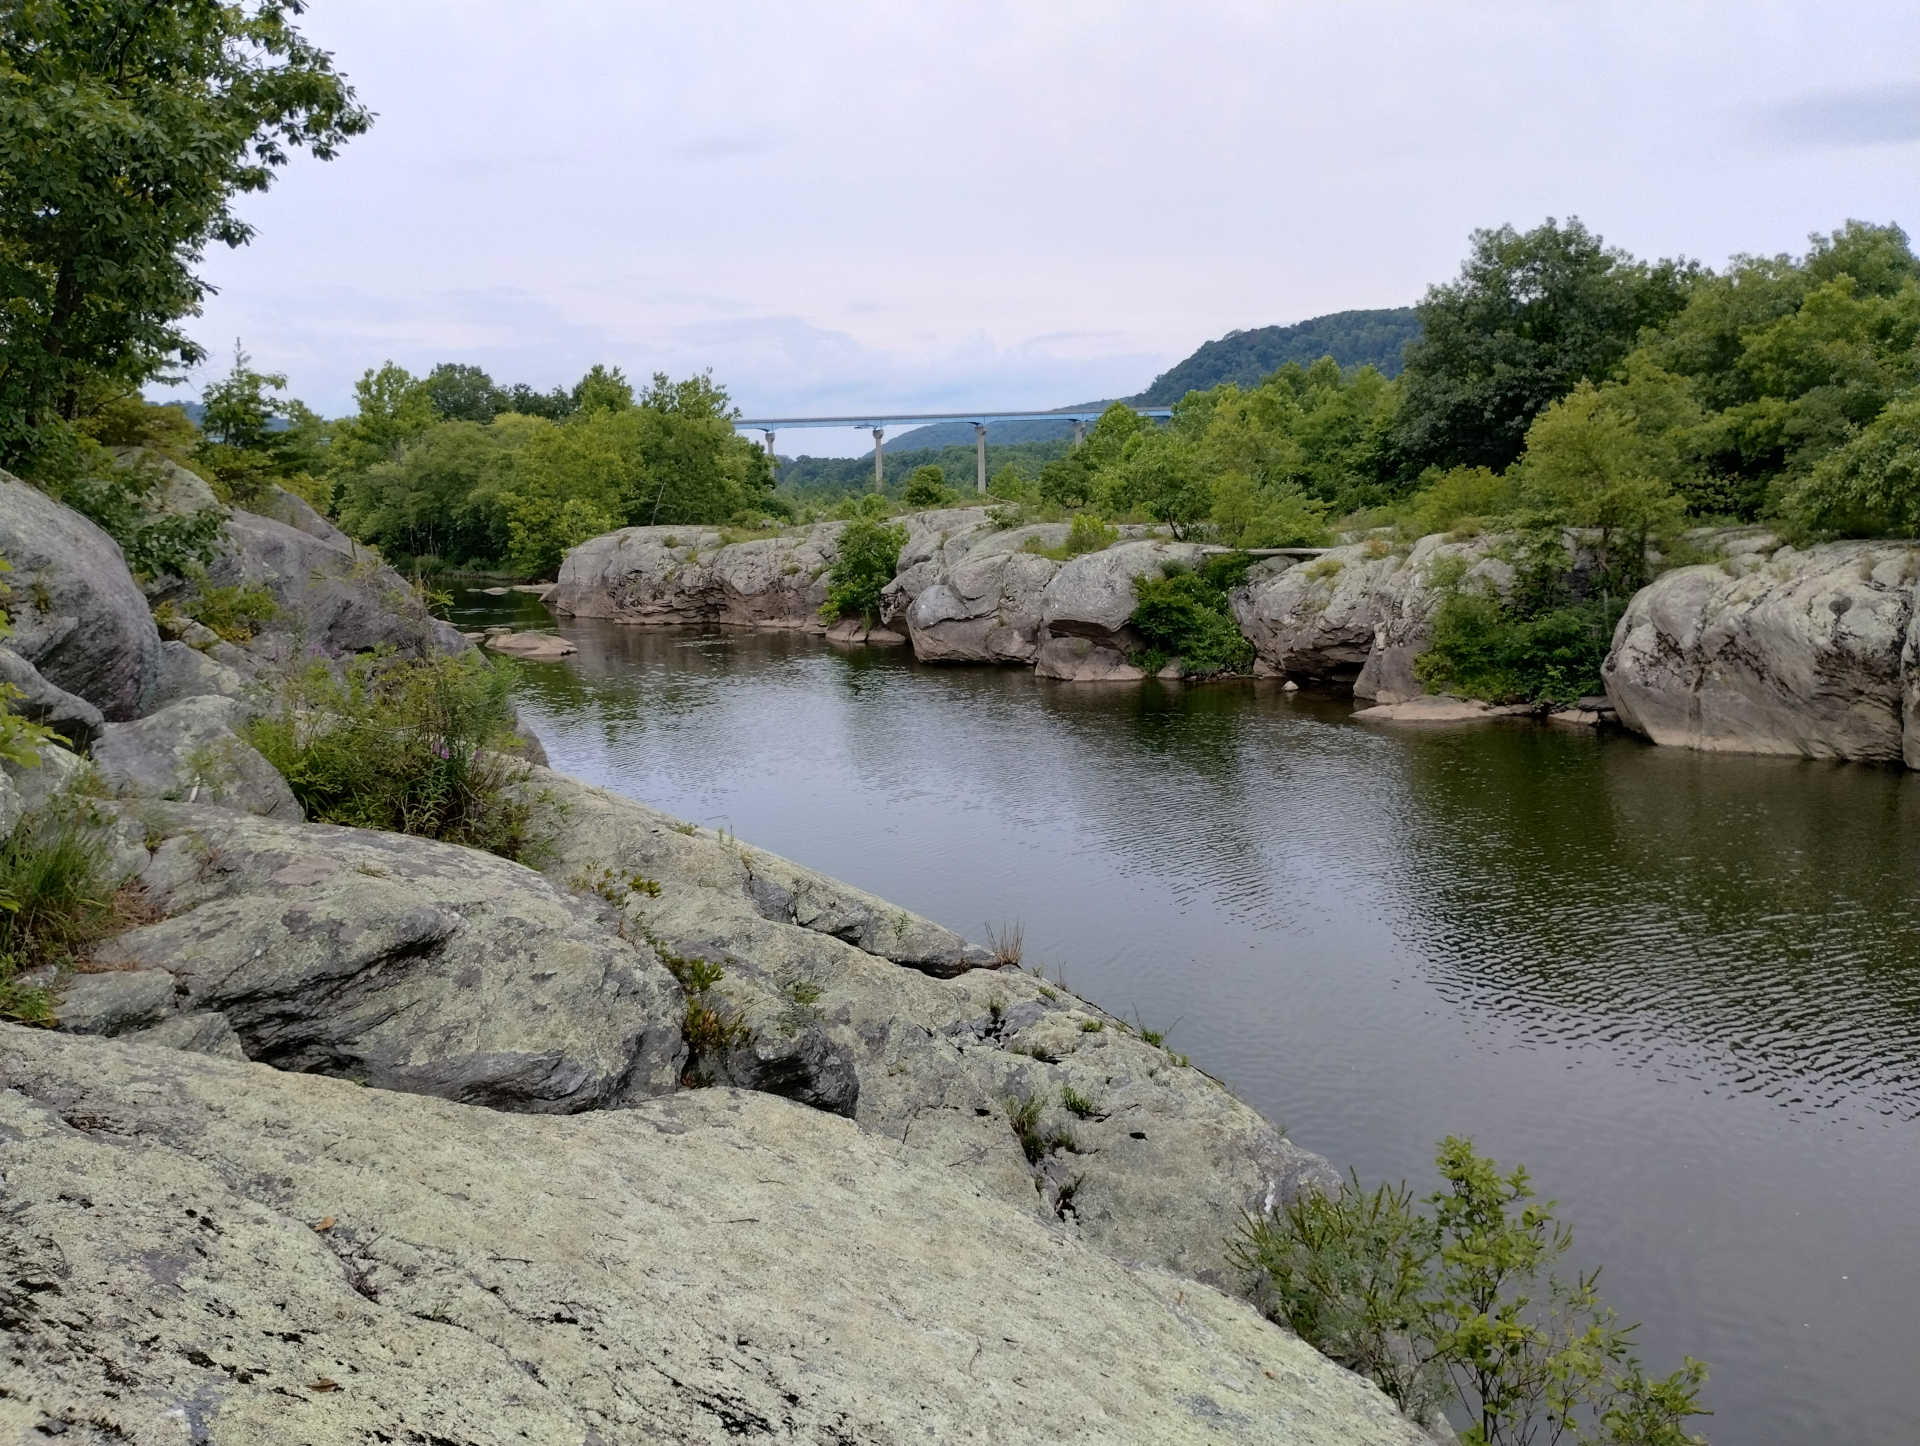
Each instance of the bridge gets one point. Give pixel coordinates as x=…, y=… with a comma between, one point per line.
x=879, y=424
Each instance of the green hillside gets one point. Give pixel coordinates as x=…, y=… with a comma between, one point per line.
x=1352, y=338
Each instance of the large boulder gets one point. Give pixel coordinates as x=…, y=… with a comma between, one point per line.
x=78, y=616
x=334, y=597
x=401, y=963
x=1404, y=600
x=192, y=751
x=1316, y=621
x=862, y=1009
x=1092, y=596
x=984, y=606
x=1800, y=654
x=692, y=575
x=197, y=1249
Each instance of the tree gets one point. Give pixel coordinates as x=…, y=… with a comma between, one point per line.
x=393, y=408
x=1872, y=484
x=1531, y=315
x=554, y=406
x=868, y=553
x=602, y=389
x=927, y=487
x=239, y=448
x=128, y=128
x=462, y=393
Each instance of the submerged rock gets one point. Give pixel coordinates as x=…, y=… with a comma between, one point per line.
x=200, y=1249
x=538, y=647
x=1808, y=653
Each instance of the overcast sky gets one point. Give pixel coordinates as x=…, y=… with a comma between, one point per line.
x=864, y=206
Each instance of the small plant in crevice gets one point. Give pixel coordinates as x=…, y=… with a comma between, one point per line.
x=1037, y=1140
x=612, y=887
x=1063, y=1199
x=1080, y=1106
x=801, y=1010
x=55, y=903
x=236, y=613
x=1092, y=1026
x=1007, y=941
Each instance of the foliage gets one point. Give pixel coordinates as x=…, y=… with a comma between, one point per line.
x=1086, y=533
x=120, y=497
x=236, y=613
x=54, y=902
x=1456, y=1299
x=863, y=566
x=1186, y=615
x=410, y=746
x=20, y=740
x=1458, y=499
x=1531, y=315
x=128, y=129
x=251, y=440
x=1870, y=485
x=927, y=487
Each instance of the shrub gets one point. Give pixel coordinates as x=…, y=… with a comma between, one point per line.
x=54, y=902
x=1459, y=1301
x=1086, y=533
x=1185, y=614
x=415, y=747
x=235, y=613
x=118, y=499
x=1483, y=648
x=927, y=487
x=869, y=549
x=1462, y=498
x=20, y=740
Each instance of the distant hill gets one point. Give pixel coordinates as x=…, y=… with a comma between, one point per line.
x=1352, y=338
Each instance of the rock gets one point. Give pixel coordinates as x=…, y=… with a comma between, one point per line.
x=930, y=1053
x=985, y=605
x=402, y=963
x=206, y=1032
x=200, y=1249
x=78, y=616
x=538, y=647
x=284, y=507
x=1315, y=621
x=55, y=771
x=533, y=589
x=1801, y=656
x=1439, y=708
x=1405, y=598
x=113, y=1002
x=1092, y=595
x=1082, y=660
x=38, y=701
x=12, y=806
x=690, y=575
x=192, y=751
x=186, y=672
x=496, y=591
x=1576, y=717
x=334, y=597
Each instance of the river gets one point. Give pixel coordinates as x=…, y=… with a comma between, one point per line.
x=1682, y=989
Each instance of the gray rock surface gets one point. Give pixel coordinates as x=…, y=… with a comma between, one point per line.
x=814, y=968
x=115, y=1001
x=539, y=647
x=1316, y=621
x=200, y=1250
x=691, y=575
x=1404, y=600
x=984, y=605
x=401, y=963
x=38, y=701
x=187, y=672
x=78, y=616
x=206, y=1032
x=1801, y=654
x=192, y=751
x=1092, y=595
x=1076, y=659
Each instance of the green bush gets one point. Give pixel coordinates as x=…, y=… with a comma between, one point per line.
x=20, y=741
x=1455, y=1299
x=235, y=613
x=54, y=902
x=1485, y=648
x=869, y=550
x=1186, y=615
x=1086, y=533
x=417, y=747
x=1463, y=498
x=927, y=487
x=118, y=499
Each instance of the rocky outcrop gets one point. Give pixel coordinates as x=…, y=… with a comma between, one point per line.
x=198, y=1249
x=983, y=604
x=1405, y=598
x=1802, y=652
x=400, y=963
x=77, y=615
x=192, y=751
x=693, y=575
x=861, y=1009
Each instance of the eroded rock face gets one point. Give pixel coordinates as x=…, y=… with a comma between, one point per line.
x=200, y=1249
x=35, y=699
x=1800, y=654
x=402, y=963
x=865, y=1010
x=77, y=615
x=1315, y=621
x=1092, y=595
x=1404, y=599
x=691, y=575
x=984, y=605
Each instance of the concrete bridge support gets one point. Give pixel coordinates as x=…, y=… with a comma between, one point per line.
x=980, y=457
x=879, y=459
x=1079, y=432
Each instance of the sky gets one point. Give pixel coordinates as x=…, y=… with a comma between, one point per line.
x=847, y=207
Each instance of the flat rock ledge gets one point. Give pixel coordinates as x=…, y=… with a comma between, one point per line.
x=200, y=1250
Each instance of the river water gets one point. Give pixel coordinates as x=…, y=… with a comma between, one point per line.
x=1683, y=990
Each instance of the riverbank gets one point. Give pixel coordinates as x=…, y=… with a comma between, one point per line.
x=1762, y=648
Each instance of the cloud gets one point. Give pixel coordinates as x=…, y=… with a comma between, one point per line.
x=725, y=147
x=1880, y=115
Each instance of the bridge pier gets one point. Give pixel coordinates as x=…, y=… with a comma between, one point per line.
x=1079, y=432
x=773, y=462
x=879, y=459
x=980, y=457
